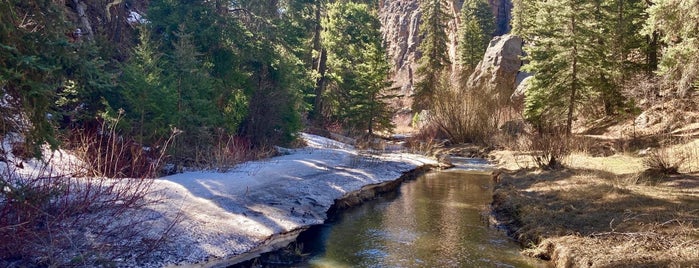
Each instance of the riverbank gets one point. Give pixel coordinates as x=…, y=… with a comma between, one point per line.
x=599, y=211
x=224, y=218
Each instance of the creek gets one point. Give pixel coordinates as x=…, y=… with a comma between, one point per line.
x=437, y=220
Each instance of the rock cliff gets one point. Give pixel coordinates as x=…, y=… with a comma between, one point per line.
x=502, y=10
x=399, y=25
x=400, y=20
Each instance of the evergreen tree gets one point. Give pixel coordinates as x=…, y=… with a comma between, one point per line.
x=523, y=14
x=476, y=30
x=43, y=71
x=433, y=50
x=560, y=59
x=357, y=67
x=150, y=104
x=677, y=23
x=278, y=74
x=616, y=41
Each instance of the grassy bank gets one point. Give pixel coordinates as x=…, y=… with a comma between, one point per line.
x=600, y=211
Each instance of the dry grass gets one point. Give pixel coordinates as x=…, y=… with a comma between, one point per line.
x=599, y=212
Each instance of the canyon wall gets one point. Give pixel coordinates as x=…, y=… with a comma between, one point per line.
x=400, y=20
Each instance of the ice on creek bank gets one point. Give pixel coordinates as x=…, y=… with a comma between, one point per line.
x=222, y=215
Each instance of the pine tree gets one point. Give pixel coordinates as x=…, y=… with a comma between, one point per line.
x=357, y=67
x=37, y=62
x=614, y=28
x=523, y=14
x=561, y=62
x=677, y=22
x=150, y=104
x=433, y=50
x=279, y=74
x=476, y=30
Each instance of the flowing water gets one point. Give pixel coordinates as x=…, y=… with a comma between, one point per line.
x=434, y=221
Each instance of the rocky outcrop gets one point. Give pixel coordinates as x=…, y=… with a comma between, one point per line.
x=522, y=81
x=399, y=25
x=400, y=20
x=498, y=70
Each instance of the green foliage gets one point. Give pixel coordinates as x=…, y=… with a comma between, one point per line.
x=476, y=30
x=580, y=52
x=676, y=22
x=616, y=46
x=151, y=104
x=433, y=49
x=357, y=67
x=560, y=62
x=523, y=14
x=37, y=63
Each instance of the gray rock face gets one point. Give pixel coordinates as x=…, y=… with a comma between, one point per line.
x=502, y=10
x=400, y=20
x=399, y=25
x=522, y=81
x=498, y=70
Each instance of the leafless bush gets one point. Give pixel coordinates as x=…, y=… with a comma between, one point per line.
x=56, y=220
x=465, y=115
x=108, y=154
x=82, y=213
x=664, y=162
x=424, y=142
x=549, y=149
x=644, y=89
x=231, y=150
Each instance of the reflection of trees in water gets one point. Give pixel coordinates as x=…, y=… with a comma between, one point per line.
x=434, y=221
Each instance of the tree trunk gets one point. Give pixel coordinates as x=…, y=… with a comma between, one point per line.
x=652, y=53
x=320, y=65
x=86, y=30
x=574, y=79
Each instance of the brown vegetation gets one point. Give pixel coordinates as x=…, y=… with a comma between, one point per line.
x=68, y=211
x=465, y=115
x=601, y=211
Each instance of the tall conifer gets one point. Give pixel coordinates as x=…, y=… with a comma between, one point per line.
x=433, y=51
x=476, y=30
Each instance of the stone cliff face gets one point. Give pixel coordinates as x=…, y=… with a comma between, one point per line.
x=399, y=25
x=400, y=20
x=502, y=10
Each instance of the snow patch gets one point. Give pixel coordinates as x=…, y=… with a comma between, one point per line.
x=223, y=215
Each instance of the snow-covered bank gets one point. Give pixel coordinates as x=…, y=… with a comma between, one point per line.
x=222, y=216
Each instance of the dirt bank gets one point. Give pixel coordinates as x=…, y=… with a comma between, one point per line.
x=599, y=212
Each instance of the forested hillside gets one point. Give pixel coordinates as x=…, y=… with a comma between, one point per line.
x=219, y=74
x=136, y=89
x=215, y=75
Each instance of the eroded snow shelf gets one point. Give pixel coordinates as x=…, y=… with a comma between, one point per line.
x=224, y=216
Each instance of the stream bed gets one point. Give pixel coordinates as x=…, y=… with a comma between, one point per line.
x=437, y=220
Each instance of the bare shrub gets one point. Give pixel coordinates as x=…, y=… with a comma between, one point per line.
x=549, y=149
x=465, y=115
x=644, y=90
x=56, y=220
x=231, y=150
x=664, y=162
x=106, y=153
x=55, y=212
x=424, y=142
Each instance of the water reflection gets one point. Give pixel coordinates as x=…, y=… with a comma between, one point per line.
x=434, y=221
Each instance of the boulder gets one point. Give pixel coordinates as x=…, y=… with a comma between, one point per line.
x=522, y=84
x=498, y=70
